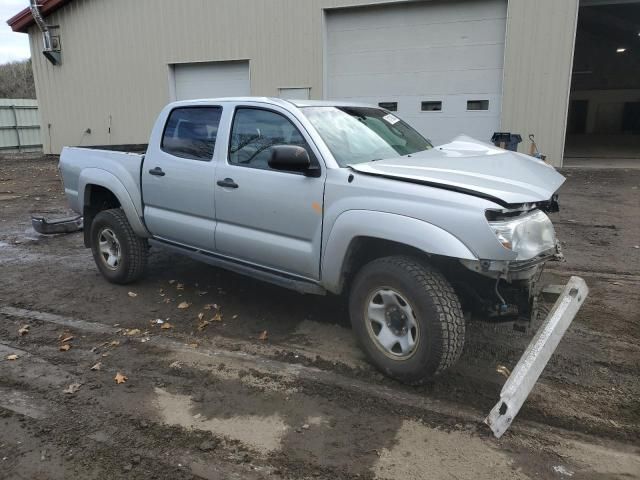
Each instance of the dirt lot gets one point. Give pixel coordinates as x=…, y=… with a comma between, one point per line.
x=222, y=402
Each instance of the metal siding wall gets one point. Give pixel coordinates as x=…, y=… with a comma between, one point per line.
x=537, y=76
x=116, y=54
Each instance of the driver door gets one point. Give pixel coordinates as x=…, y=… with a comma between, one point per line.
x=265, y=217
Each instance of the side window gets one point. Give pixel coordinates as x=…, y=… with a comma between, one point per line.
x=255, y=131
x=191, y=132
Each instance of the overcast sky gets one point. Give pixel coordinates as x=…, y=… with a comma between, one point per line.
x=13, y=46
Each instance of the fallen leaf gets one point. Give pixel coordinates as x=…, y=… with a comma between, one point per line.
x=157, y=321
x=65, y=347
x=171, y=282
x=132, y=331
x=73, y=388
x=175, y=364
x=234, y=317
x=97, y=366
x=166, y=326
x=210, y=306
x=200, y=316
x=184, y=305
x=67, y=339
x=120, y=378
x=217, y=317
x=501, y=369
x=263, y=336
x=12, y=357
x=115, y=343
x=203, y=325
x=132, y=294
x=23, y=330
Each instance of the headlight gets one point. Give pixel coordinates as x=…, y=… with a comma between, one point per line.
x=527, y=235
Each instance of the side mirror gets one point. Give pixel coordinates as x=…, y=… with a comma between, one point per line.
x=290, y=158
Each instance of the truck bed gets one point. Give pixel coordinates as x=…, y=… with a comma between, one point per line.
x=113, y=167
x=126, y=148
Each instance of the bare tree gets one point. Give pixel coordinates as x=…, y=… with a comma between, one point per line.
x=16, y=80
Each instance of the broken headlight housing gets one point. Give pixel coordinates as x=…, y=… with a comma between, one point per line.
x=528, y=234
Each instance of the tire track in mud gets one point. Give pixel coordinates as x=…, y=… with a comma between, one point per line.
x=474, y=384
x=439, y=404
x=213, y=397
x=335, y=442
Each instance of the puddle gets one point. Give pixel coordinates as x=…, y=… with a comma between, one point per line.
x=263, y=433
x=619, y=461
x=419, y=449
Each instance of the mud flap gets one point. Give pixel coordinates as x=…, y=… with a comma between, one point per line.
x=62, y=225
x=526, y=373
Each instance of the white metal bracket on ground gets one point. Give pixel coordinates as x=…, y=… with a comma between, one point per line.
x=526, y=373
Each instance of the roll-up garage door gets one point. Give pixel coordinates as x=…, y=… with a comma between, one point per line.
x=438, y=64
x=211, y=80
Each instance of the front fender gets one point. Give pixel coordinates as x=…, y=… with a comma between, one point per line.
x=97, y=176
x=385, y=226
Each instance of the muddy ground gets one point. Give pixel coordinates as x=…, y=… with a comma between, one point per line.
x=223, y=402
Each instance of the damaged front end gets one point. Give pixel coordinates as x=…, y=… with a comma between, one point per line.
x=505, y=291
x=512, y=291
x=508, y=290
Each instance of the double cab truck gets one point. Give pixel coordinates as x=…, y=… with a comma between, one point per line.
x=340, y=198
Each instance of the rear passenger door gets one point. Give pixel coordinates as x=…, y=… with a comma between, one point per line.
x=178, y=178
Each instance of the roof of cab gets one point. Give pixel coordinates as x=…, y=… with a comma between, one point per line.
x=275, y=101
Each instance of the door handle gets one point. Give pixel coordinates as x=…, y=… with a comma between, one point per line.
x=228, y=183
x=157, y=172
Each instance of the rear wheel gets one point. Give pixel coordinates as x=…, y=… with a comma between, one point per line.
x=407, y=318
x=121, y=255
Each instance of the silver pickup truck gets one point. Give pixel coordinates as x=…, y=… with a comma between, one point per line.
x=342, y=198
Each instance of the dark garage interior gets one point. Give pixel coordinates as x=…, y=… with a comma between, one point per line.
x=604, y=107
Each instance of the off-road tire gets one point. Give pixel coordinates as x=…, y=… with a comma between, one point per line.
x=134, y=249
x=437, y=311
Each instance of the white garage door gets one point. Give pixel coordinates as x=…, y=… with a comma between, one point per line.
x=211, y=79
x=439, y=63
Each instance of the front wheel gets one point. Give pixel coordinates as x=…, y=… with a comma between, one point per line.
x=121, y=255
x=407, y=318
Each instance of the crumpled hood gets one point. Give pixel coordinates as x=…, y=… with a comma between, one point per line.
x=470, y=166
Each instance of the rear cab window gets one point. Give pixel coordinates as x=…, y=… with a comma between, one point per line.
x=191, y=132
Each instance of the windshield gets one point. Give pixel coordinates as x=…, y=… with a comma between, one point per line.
x=360, y=134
